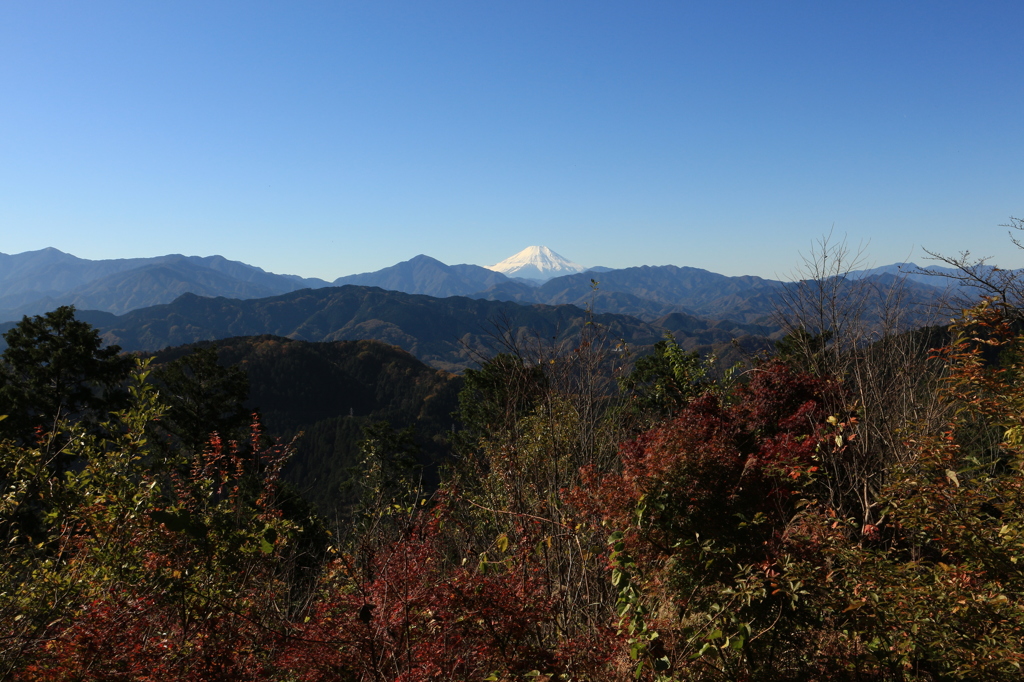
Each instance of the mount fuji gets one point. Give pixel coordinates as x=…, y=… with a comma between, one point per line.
x=536, y=263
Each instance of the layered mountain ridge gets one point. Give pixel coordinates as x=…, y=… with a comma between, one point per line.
x=39, y=281
x=35, y=282
x=451, y=333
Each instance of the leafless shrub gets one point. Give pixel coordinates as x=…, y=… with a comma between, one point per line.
x=973, y=278
x=556, y=415
x=865, y=333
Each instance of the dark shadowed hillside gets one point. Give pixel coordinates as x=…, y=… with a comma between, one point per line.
x=330, y=392
x=447, y=333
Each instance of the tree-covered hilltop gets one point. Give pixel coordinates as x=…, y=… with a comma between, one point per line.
x=850, y=507
x=330, y=393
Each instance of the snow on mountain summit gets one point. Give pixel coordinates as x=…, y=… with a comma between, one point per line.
x=536, y=262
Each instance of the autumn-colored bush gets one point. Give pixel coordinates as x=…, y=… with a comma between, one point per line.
x=421, y=617
x=701, y=507
x=731, y=563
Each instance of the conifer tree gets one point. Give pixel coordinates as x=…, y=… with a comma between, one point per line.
x=56, y=367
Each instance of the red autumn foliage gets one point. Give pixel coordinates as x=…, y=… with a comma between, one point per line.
x=718, y=462
x=421, y=618
x=129, y=637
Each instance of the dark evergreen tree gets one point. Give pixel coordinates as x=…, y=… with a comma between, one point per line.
x=56, y=367
x=495, y=397
x=56, y=382
x=203, y=397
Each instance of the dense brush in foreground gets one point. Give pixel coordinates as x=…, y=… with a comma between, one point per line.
x=753, y=527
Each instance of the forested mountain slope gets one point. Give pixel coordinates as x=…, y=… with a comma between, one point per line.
x=330, y=392
x=843, y=510
x=447, y=333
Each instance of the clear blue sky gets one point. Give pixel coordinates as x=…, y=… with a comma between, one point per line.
x=328, y=138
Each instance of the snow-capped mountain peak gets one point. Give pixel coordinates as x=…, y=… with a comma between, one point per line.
x=536, y=262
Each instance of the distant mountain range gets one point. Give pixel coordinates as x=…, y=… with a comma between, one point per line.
x=646, y=292
x=650, y=292
x=38, y=281
x=446, y=315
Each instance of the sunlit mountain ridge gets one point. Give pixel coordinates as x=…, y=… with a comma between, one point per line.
x=35, y=282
